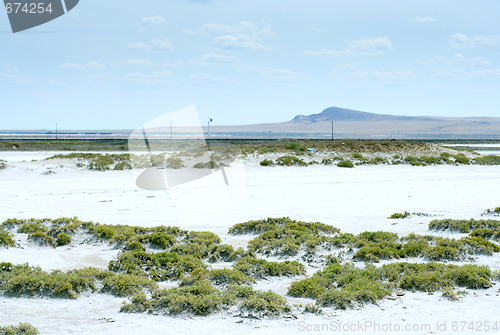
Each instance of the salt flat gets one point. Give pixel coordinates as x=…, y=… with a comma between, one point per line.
x=354, y=200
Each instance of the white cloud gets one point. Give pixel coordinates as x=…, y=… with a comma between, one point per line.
x=242, y=41
x=9, y=68
x=244, y=27
x=456, y=59
x=154, y=45
x=211, y=80
x=146, y=63
x=218, y=58
x=366, y=47
x=93, y=65
x=464, y=41
x=134, y=63
x=153, y=20
x=348, y=70
x=465, y=74
x=426, y=19
x=265, y=73
x=150, y=78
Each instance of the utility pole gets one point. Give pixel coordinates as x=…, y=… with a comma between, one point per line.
x=208, y=133
x=332, y=130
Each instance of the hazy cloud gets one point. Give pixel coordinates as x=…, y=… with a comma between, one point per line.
x=218, y=58
x=426, y=19
x=153, y=20
x=242, y=41
x=154, y=45
x=464, y=41
x=375, y=46
x=93, y=65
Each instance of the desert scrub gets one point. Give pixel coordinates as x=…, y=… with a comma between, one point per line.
x=174, y=163
x=461, y=159
x=296, y=146
x=6, y=239
x=24, y=280
x=495, y=211
x=342, y=285
x=63, y=239
x=157, y=266
x=20, y=329
x=357, y=155
x=464, y=226
x=266, y=162
x=226, y=253
x=260, y=268
x=290, y=161
x=219, y=277
x=345, y=164
x=2, y=164
x=487, y=160
x=400, y=215
x=99, y=162
x=202, y=298
x=283, y=236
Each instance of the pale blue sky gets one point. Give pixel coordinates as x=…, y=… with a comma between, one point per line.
x=118, y=64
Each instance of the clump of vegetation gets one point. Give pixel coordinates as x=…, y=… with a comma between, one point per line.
x=345, y=164
x=174, y=163
x=20, y=329
x=202, y=298
x=284, y=236
x=342, y=285
x=260, y=268
x=2, y=164
x=464, y=226
x=357, y=155
x=157, y=266
x=6, y=239
x=63, y=239
x=495, y=211
x=461, y=159
x=97, y=161
x=487, y=160
x=297, y=147
x=400, y=215
x=24, y=280
x=266, y=162
x=290, y=161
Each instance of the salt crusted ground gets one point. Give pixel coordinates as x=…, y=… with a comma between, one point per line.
x=354, y=200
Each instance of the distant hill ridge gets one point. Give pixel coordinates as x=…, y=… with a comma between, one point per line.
x=344, y=114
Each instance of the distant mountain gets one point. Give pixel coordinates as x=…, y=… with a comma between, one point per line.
x=349, y=123
x=344, y=114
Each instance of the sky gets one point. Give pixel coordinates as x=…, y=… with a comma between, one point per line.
x=118, y=64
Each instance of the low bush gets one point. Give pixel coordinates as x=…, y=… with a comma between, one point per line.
x=345, y=164
x=290, y=161
x=464, y=226
x=260, y=268
x=284, y=236
x=63, y=239
x=400, y=215
x=341, y=285
x=266, y=162
x=487, y=160
x=20, y=329
x=6, y=239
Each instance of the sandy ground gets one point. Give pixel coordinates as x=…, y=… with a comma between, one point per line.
x=354, y=200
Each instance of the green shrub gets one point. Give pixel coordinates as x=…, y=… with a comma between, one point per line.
x=297, y=147
x=42, y=239
x=21, y=329
x=260, y=268
x=357, y=155
x=123, y=166
x=290, y=161
x=6, y=239
x=63, y=239
x=400, y=215
x=126, y=285
x=345, y=164
x=174, y=163
x=487, y=160
x=266, y=162
x=462, y=159
x=284, y=236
